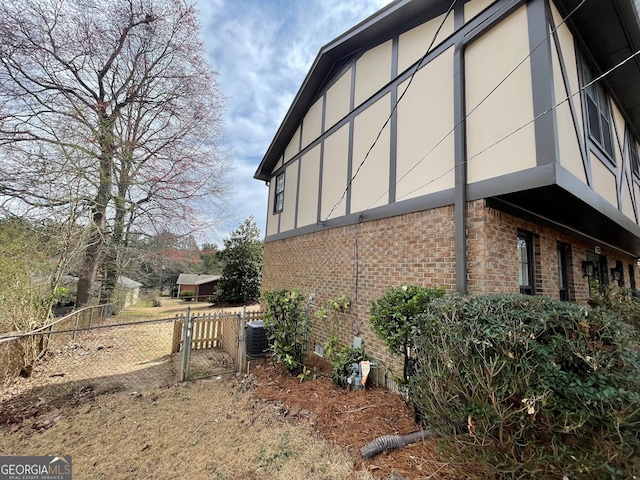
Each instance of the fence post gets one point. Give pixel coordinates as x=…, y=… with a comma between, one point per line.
x=241, y=361
x=186, y=346
x=76, y=328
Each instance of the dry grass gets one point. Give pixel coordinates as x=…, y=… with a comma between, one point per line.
x=265, y=426
x=201, y=430
x=209, y=429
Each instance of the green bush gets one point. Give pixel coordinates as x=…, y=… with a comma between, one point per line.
x=394, y=318
x=187, y=295
x=287, y=325
x=625, y=302
x=543, y=388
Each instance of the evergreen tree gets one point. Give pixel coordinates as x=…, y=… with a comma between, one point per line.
x=241, y=265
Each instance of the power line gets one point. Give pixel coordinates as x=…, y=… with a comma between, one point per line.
x=395, y=106
x=566, y=99
x=500, y=83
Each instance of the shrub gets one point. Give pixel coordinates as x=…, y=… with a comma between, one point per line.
x=625, y=302
x=543, y=388
x=187, y=295
x=287, y=324
x=394, y=318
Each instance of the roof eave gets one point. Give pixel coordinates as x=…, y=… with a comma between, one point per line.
x=364, y=33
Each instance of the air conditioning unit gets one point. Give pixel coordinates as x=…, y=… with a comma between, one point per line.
x=256, y=339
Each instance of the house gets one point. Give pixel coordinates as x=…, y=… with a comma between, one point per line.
x=202, y=285
x=489, y=148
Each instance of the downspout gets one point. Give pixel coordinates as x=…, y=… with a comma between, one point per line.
x=460, y=146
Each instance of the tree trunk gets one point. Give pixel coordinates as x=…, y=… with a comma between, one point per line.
x=91, y=258
x=98, y=237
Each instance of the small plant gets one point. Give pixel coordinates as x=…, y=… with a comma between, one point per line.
x=187, y=295
x=337, y=306
x=156, y=302
x=394, y=318
x=342, y=364
x=287, y=325
x=306, y=373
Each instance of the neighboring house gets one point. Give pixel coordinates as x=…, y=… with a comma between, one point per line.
x=500, y=167
x=203, y=285
x=127, y=291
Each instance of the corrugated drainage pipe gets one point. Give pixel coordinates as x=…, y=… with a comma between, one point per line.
x=390, y=442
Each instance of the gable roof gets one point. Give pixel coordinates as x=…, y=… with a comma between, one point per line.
x=608, y=30
x=127, y=282
x=196, y=279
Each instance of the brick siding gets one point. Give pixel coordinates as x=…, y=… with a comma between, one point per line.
x=419, y=248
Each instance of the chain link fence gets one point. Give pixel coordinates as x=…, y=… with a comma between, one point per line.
x=90, y=349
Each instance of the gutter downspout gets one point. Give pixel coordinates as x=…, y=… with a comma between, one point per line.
x=460, y=146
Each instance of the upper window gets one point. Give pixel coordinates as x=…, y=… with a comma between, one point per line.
x=525, y=263
x=278, y=204
x=633, y=155
x=598, y=113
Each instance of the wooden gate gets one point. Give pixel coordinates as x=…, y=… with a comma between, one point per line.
x=221, y=332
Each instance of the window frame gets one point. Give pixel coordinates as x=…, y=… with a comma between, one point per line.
x=278, y=195
x=526, y=239
x=597, y=95
x=634, y=156
x=563, y=277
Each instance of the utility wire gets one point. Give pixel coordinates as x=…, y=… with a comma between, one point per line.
x=395, y=106
x=566, y=99
x=500, y=83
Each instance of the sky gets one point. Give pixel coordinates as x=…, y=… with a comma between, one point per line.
x=262, y=51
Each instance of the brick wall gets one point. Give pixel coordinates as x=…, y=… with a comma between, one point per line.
x=418, y=248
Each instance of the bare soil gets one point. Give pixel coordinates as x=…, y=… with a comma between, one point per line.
x=264, y=425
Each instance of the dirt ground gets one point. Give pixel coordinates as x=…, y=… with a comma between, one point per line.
x=264, y=425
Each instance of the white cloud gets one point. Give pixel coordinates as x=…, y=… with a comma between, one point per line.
x=262, y=50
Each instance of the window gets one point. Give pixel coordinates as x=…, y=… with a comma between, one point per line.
x=278, y=204
x=525, y=263
x=600, y=275
x=562, y=272
x=598, y=113
x=632, y=277
x=633, y=155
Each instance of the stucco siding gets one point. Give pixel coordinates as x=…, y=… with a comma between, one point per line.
x=627, y=205
x=497, y=142
x=373, y=71
x=569, y=130
x=272, y=218
x=425, y=150
x=604, y=182
x=371, y=185
x=474, y=7
x=312, y=123
x=288, y=214
x=308, y=198
x=293, y=147
x=568, y=48
x=334, y=172
x=413, y=44
x=338, y=100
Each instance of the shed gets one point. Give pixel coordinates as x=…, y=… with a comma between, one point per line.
x=202, y=285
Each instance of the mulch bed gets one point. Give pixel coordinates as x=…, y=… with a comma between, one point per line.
x=352, y=419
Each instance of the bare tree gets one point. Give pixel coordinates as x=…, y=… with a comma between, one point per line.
x=116, y=98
